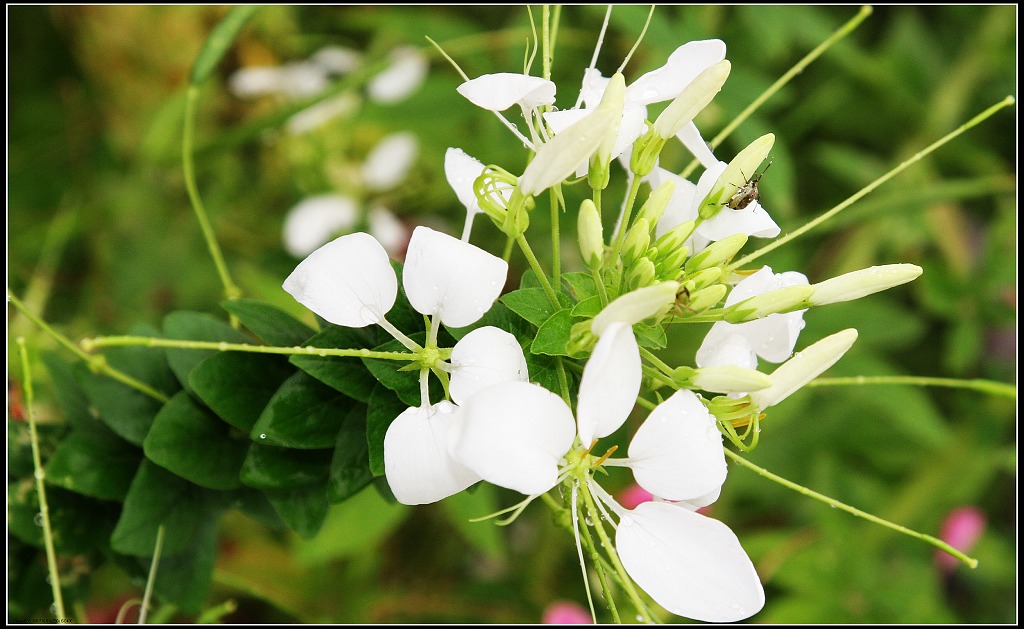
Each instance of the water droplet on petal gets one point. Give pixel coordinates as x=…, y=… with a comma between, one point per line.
x=263, y=436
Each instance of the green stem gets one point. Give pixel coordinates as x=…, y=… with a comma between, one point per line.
x=215, y=614
x=938, y=543
x=627, y=212
x=985, y=386
x=556, y=257
x=97, y=364
x=535, y=265
x=800, y=66
x=599, y=566
x=563, y=382
x=150, y=341
x=1006, y=102
x=40, y=474
x=657, y=362
x=231, y=291
x=627, y=583
x=599, y=282
x=148, y=593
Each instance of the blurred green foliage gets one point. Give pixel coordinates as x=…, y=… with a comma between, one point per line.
x=101, y=238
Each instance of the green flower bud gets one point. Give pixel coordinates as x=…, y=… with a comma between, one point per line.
x=692, y=100
x=803, y=367
x=706, y=298
x=857, y=284
x=645, y=154
x=590, y=234
x=729, y=379
x=717, y=253
x=705, y=278
x=640, y=274
x=777, y=301
x=736, y=175
x=656, y=203
x=638, y=238
x=581, y=340
x=635, y=306
x=613, y=100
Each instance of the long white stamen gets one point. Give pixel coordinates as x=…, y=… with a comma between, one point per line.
x=579, y=549
x=602, y=496
x=399, y=336
x=597, y=50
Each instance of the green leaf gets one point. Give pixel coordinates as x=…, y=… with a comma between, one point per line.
x=93, y=463
x=195, y=326
x=553, y=335
x=255, y=505
x=581, y=285
x=391, y=373
x=157, y=497
x=127, y=411
x=544, y=371
x=219, y=41
x=500, y=317
x=270, y=324
x=185, y=579
x=271, y=467
x=19, y=446
x=237, y=386
x=588, y=308
x=383, y=408
x=191, y=442
x=355, y=527
x=303, y=413
x=348, y=375
x=402, y=315
x=79, y=524
x=71, y=399
x=531, y=304
x=303, y=509
x=650, y=336
x=350, y=466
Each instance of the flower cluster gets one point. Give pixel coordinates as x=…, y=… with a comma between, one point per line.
x=671, y=262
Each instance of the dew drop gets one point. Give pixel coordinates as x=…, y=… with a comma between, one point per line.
x=49, y=579
x=263, y=436
x=222, y=346
x=53, y=606
x=589, y=521
x=39, y=474
x=38, y=519
x=639, y=618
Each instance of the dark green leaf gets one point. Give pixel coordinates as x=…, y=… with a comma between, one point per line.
x=553, y=335
x=531, y=304
x=93, y=463
x=543, y=371
x=271, y=467
x=383, y=408
x=303, y=413
x=71, y=399
x=237, y=385
x=402, y=315
x=191, y=442
x=157, y=497
x=350, y=466
x=19, y=446
x=255, y=505
x=589, y=307
x=270, y=324
x=581, y=285
x=184, y=579
x=127, y=411
x=348, y=375
x=500, y=317
x=650, y=336
x=79, y=524
x=303, y=509
x=195, y=326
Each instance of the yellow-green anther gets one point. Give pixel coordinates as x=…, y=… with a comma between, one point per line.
x=803, y=367
x=638, y=238
x=705, y=278
x=613, y=100
x=707, y=298
x=736, y=175
x=779, y=300
x=641, y=273
x=559, y=158
x=717, y=253
x=692, y=100
x=656, y=203
x=730, y=379
x=590, y=234
x=863, y=282
x=635, y=306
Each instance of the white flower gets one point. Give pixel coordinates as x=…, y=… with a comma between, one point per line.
x=462, y=170
x=404, y=76
x=390, y=161
x=517, y=435
x=499, y=91
x=772, y=338
x=350, y=282
x=318, y=219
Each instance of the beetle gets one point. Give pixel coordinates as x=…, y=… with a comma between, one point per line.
x=747, y=193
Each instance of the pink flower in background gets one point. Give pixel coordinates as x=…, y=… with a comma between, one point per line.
x=566, y=613
x=634, y=495
x=961, y=529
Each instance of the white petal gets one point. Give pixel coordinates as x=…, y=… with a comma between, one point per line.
x=635, y=306
x=561, y=120
x=315, y=220
x=404, y=76
x=593, y=87
x=336, y=59
x=724, y=346
x=630, y=128
x=451, y=278
x=690, y=136
x=417, y=465
x=483, y=358
x=498, y=92
x=610, y=383
x=462, y=170
x=514, y=435
x=677, y=453
x=680, y=206
x=349, y=281
x=316, y=115
x=690, y=564
x=751, y=220
x=388, y=230
x=700, y=501
x=255, y=81
x=773, y=337
x=706, y=182
x=302, y=79
x=683, y=65
x=389, y=162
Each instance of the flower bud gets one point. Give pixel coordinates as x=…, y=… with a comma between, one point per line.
x=656, y=203
x=692, y=100
x=803, y=367
x=727, y=379
x=590, y=234
x=707, y=297
x=705, y=278
x=613, y=99
x=559, y=158
x=776, y=301
x=717, y=253
x=674, y=238
x=736, y=175
x=641, y=273
x=638, y=238
x=581, y=340
x=857, y=284
x=636, y=306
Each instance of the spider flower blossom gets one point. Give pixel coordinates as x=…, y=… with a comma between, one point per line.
x=517, y=435
x=350, y=282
